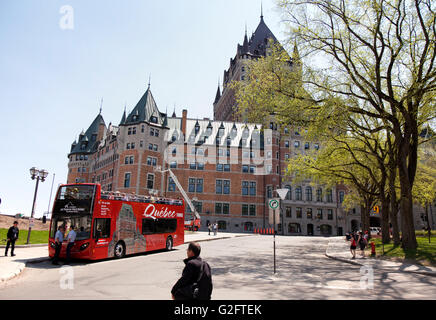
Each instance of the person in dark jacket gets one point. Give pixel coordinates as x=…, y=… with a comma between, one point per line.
x=12, y=237
x=191, y=273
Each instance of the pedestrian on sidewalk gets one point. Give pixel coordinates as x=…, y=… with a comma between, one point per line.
x=59, y=238
x=71, y=239
x=353, y=246
x=209, y=228
x=196, y=280
x=362, y=244
x=12, y=237
x=215, y=228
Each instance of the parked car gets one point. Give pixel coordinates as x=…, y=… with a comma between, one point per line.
x=375, y=231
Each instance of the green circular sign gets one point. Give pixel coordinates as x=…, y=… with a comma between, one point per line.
x=273, y=204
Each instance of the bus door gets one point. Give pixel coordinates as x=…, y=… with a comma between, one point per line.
x=102, y=237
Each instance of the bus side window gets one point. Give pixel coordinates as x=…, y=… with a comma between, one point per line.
x=148, y=226
x=102, y=228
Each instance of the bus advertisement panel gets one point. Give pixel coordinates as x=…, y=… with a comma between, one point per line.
x=114, y=225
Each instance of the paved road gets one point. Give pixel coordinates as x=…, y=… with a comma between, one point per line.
x=242, y=269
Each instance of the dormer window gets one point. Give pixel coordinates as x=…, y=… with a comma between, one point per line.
x=153, y=119
x=197, y=129
x=134, y=118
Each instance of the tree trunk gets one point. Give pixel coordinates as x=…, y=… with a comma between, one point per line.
x=406, y=163
x=386, y=238
x=364, y=216
x=394, y=221
x=408, y=236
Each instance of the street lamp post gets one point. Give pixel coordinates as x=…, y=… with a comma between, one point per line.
x=38, y=175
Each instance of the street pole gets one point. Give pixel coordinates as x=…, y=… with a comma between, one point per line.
x=274, y=231
x=33, y=209
x=51, y=192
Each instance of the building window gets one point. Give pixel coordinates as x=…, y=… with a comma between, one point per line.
x=219, y=167
x=319, y=214
x=288, y=212
x=287, y=143
x=227, y=167
x=294, y=228
x=128, y=146
x=306, y=146
x=296, y=144
x=222, y=208
x=309, y=213
x=245, y=168
x=150, y=181
x=316, y=146
x=171, y=184
x=308, y=193
x=245, y=187
x=289, y=194
x=319, y=195
x=341, y=196
x=191, y=185
x=269, y=192
x=252, y=188
x=299, y=212
x=173, y=165
x=298, y=193
x=330, y=214
x=329, y=195
x=126, y=180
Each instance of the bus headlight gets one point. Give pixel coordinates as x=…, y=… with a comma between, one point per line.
x=84, y=246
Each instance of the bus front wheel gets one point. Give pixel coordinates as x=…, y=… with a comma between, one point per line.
x=169, y=245
x=120, y=250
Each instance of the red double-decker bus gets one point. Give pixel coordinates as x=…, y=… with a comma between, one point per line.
x=114, y=225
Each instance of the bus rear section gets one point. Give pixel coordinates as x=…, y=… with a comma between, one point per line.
x=118, y=225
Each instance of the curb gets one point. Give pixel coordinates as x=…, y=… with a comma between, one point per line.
x=424, y=273
x=21, y=267
x=27, y=245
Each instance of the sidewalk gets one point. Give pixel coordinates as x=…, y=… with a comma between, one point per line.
x=339, y=249
x=11, y=267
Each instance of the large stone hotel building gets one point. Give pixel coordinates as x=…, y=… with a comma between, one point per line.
x=229, y=169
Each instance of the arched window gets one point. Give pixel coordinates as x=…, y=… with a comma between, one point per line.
x=329, y=195
x=308, y=193
x=341, y=196
x=298, y=193
x=319, y=195
x=289, y=194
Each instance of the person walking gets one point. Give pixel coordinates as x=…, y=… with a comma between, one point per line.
x=362, y=244
x=59, y=238
x=209, y=228
x=196, y=280
x=71, y=237
x=215, y=228
x=12, y=236
x=353, y=245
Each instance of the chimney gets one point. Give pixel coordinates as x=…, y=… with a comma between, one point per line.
x=184, y=117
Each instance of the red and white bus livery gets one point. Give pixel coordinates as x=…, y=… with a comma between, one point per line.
x=114, y=225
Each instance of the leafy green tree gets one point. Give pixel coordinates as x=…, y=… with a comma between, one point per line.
x=366, y=65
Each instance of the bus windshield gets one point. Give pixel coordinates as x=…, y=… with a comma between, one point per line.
x=77, y=192
x=81, y=224
x=74, y=199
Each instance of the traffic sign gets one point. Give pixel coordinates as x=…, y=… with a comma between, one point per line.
x=274, y=203
x=31, y=222
x=282, y=193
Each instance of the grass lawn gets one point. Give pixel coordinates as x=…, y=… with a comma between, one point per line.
x=424, y=254
x=36, y=237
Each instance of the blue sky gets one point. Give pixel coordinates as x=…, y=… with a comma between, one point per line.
x=52, y=80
